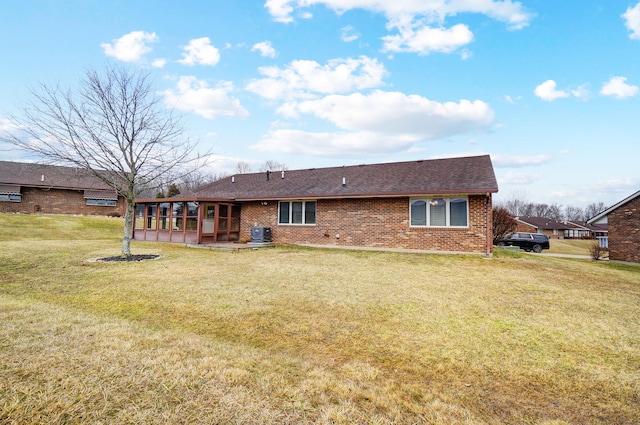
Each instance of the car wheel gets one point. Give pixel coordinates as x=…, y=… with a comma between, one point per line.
x=527, y=249
x=537, y=248
x=501, y=244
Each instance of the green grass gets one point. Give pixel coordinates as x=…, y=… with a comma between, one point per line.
x=294, y=335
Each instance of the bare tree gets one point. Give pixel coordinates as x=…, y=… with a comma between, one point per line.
x=271, y=165
x=113, y=125
x=243, y=167
x=503, y=224
x=574, y=213
x=594, y=209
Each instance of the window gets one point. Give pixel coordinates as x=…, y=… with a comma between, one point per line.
x=101, y=202
x=297, y=212
x=152, y=209
x=192, y=216
x=139, y=217
x=163, y=220
x=177, y=216
x=10, y=197
x=439, y=212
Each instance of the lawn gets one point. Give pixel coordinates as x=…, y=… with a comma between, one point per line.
x=295, y=335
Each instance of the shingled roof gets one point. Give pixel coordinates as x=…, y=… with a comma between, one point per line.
x=468, y=175
x=48, y=176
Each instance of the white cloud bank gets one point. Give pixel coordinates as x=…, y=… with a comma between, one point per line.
x=419, y=23
x=193, y=95
x=307, y=79
x=199, y=51
x=130, y=47
x=618, y=87
x=516, y=161
x=379, y=122
x=632, y=21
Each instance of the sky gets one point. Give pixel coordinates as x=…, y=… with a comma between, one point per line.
x=549, y=89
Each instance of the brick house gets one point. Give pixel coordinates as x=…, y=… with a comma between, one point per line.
x=442, y=204
x=623, y=225
x=36, y=188
x=544, y=226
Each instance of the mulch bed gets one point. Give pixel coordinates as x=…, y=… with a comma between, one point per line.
x=129, y=258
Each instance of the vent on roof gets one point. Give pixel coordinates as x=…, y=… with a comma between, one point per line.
x=42, y=178
x=344, y=181
x=268, y=174
x=282, y=174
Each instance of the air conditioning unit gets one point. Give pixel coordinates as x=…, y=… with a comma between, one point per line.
x=260, y=234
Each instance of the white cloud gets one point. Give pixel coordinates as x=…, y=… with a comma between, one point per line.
x=265, y=49
x=329, y=144
x=507, y=161
x=379, y=122
x=349, y=34
x=159, y=63
x=632, y=21
x=130, y=47
x=424, y=39
x=547, y=91
x=193, y=95
x=420, y=23
x=200, y=51
x=305, y=78
x=513, y=177
x=618, y=87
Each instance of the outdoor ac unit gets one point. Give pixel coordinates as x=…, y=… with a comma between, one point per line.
x=260, y=234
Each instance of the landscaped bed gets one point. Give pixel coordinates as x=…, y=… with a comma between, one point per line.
x=291, y=335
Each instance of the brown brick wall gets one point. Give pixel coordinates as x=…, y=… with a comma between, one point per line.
x=624, y=232
x=369, y=223
x=57, y=201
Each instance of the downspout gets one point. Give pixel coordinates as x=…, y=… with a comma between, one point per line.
x=489, y=232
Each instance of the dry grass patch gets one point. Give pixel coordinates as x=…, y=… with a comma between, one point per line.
x=312, y=336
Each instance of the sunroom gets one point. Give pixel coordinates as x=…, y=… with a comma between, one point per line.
x=186, y=220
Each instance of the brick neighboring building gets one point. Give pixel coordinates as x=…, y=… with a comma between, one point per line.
x=623, y=221
x=29, y=188
x=441, y=205
x=544, y=226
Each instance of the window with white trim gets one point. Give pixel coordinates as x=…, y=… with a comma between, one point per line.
x=102, y=202
x=297, y=212
x=439, y=212
x=10, y=197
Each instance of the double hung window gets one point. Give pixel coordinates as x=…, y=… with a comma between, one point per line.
x=297, y=212
x=439, y=212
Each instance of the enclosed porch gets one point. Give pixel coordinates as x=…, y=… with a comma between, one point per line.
x=186, y=220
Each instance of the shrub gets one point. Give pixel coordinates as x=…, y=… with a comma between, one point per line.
x=596, y=251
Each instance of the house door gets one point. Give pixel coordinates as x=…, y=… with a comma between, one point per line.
x=220, y=222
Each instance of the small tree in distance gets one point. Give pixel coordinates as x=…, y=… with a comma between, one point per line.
x=113, y=125
x=503, y=224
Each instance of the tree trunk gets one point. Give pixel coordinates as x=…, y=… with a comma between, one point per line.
x=128, y=227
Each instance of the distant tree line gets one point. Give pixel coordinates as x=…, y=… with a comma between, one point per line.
x=519, y=206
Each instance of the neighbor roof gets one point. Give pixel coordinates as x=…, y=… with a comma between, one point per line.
x=468, y=175
x=544, y=223
x=48, y=176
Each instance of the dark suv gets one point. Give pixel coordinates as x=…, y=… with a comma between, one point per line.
x=527, y=241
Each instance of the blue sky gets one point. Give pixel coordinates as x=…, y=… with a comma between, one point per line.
x=550, y=89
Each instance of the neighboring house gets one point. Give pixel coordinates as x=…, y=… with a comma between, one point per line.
x=442, y=204
x=584, y=230
x=37, y=188
x=623, y=224
x=544, y=226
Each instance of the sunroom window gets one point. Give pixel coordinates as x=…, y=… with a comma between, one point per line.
x=439, y=212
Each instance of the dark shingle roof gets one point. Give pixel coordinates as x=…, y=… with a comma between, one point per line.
x=545, y=223
x=469, y=175
x=48, y=176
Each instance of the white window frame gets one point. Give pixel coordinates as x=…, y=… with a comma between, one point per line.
x=10, y=197
x=94, y=202
x=447, y=225
x=304, y=210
